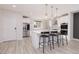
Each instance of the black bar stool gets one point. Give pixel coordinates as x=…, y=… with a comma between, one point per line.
x=43, y=36
x=64, y=33
x=54, y=34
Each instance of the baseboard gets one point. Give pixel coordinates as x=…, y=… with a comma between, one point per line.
x=75, y=39
x=8, y=40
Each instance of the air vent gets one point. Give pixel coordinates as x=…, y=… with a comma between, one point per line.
x=25, y=17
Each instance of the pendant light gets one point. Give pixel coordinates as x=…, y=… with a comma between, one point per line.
x=51, y=12
x=56, y=16
x=56, y=12
x=46, y=14
x=51, y=18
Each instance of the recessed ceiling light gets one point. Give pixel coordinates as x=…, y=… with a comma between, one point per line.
x=13, y=6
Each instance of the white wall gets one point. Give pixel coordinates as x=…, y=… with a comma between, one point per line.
x=8, y=21
x=27, y=20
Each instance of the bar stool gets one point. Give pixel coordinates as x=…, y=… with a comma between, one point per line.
x=64, y=33
x=43, y=36
x=54, y=34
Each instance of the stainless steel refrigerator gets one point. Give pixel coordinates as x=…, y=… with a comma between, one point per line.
x=26, y=30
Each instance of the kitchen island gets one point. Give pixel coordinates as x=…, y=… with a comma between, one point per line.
x=35, y=35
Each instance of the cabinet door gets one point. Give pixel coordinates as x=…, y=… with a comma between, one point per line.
x=76, y=25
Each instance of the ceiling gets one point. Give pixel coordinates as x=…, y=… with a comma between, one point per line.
x=38, y=10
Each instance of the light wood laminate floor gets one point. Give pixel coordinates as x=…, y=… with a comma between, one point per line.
x=25, y=47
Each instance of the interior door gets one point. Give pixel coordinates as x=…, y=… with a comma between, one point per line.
x=9, y=25
x=76, y=25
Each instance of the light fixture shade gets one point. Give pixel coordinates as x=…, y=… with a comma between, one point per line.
x=46, y=14
x=51, y=12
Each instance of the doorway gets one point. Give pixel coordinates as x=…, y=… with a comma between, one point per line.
x=26, y=30
x=76, y=25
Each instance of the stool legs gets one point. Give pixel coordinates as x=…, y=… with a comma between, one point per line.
x=57, y=40
x=39, y=41
x=43, y=44
x=62, y=40
x=53, y=41
x=66, y=40
x=50, y=42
